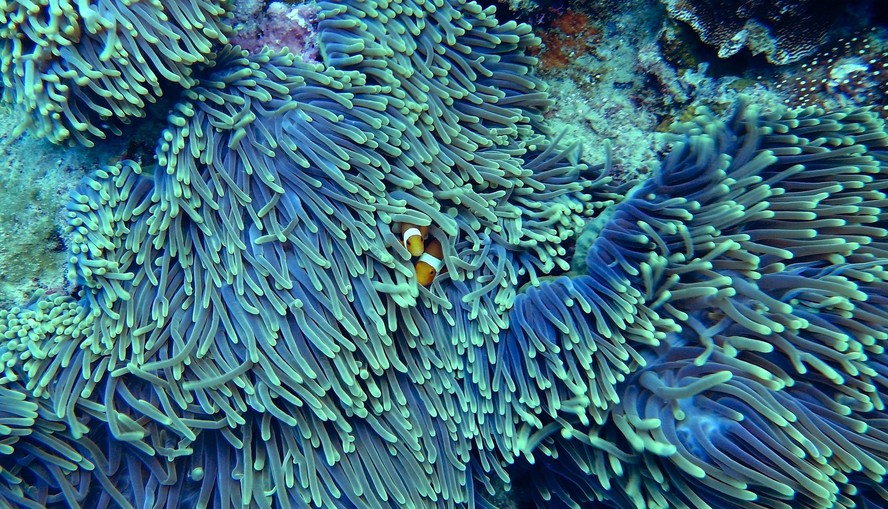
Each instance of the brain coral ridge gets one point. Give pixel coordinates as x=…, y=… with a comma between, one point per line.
x=247, y=329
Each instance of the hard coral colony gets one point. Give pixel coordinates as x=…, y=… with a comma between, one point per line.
x=248, y=328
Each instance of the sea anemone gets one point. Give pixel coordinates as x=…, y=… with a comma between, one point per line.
x=760, y=250
x=246, y=311
x=247, y=327
x=78, y=69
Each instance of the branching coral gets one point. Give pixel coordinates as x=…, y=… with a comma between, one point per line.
x=79, y=68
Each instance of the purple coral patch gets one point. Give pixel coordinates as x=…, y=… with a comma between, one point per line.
x=280, y=25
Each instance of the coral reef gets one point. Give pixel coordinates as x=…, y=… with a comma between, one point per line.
x=249, y=327
x=567, y=38
x=591, y=61
x=852, y=72
x=280, y=25
x=79, y=68
x=35, y=181
x=784, y=30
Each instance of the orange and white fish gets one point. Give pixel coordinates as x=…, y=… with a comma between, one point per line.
x=430, y=263
x=413, y=238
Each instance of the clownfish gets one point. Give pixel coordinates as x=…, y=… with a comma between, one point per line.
x=413, y=238
x=430, y=263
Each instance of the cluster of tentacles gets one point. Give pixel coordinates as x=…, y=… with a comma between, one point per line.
x=751, y=272
x=248, y=330
x=79, y=69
